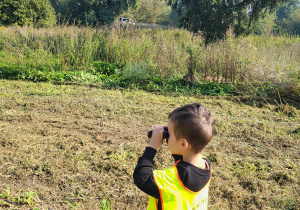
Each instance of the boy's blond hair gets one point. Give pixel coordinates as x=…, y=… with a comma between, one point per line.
x=193, y=123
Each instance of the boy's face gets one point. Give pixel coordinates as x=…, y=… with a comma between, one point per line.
x=173, y=144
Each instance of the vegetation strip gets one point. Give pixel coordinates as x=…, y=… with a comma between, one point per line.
x=154, y=59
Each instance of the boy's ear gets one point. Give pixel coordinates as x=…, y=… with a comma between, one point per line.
x=184, y=144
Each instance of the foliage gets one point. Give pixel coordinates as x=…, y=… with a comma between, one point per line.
x=265, y=25
x=154, y=60
x=114, y=81
x=215, y=17
x=105, y=205
x=288, y=18
x=285, y=10
x=150, y=11
x=212, y=18
x=91, y=12
x=36, y=13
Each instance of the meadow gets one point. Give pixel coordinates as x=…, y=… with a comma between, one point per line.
x=76, y=104
x=75, y=147
x=154, y=59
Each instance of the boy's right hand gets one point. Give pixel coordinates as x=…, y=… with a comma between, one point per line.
x=157, y=137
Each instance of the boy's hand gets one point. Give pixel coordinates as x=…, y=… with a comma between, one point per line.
x=157, y=137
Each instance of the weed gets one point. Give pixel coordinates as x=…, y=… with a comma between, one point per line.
x=282, y=177
x=10, y=200
x=137, y=57
x=212, y=157
x=287, y=110
x=296, y=131
x=287, y=204
x=105, y=205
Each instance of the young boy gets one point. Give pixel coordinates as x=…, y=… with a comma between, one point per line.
x=184, y=186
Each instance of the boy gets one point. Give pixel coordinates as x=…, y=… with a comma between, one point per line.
x=184, y=186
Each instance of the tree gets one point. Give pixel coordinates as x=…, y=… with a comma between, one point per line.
x=288, y=18
x=285, y=10
x=36, y=13
x=265, y=25
x=214, y=17
x=150, y=11
x=91, y=11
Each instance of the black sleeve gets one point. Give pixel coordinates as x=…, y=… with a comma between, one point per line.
x=143, y=173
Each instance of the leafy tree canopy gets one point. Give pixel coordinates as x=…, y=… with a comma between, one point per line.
x=288, y=18
x=91, y=11
x=36, y=13
x=285, y=10
x=214, y=17
x=149, y=11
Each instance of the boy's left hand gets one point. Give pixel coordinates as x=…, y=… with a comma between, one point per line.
x=157, y=137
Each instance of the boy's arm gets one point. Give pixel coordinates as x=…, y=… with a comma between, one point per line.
x=143, y=173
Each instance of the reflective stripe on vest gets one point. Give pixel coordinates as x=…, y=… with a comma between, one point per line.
x=174, y=195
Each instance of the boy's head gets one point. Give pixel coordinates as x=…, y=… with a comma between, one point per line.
x=193, y=123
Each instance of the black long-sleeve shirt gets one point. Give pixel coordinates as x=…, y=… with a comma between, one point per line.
x=192, y=177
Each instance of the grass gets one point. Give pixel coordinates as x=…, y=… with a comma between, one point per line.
x=8, y=200
x=153, y=59
x=105, y=205
x=75, y=147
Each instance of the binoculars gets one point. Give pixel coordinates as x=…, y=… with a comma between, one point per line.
x=165, y=134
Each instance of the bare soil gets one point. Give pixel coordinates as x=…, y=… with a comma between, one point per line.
x=74, y=146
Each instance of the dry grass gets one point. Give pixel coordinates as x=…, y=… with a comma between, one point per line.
x=75, y=146
x=164, y=53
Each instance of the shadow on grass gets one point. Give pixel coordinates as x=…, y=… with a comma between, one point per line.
x=117, y=81
x=173, y=87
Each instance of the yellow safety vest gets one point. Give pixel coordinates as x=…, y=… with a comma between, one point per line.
x=174, y=195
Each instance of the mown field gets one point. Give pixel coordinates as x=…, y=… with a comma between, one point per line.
x=75, y=147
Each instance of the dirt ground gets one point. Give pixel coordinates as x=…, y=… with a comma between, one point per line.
x=75, y=146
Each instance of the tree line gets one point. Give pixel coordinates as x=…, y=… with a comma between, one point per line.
x=211, y=17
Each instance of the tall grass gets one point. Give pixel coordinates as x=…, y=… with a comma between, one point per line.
x=261, y=62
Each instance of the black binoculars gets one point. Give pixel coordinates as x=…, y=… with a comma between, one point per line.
x=165, y=134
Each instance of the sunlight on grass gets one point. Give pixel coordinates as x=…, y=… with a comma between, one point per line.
x=79, y=144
